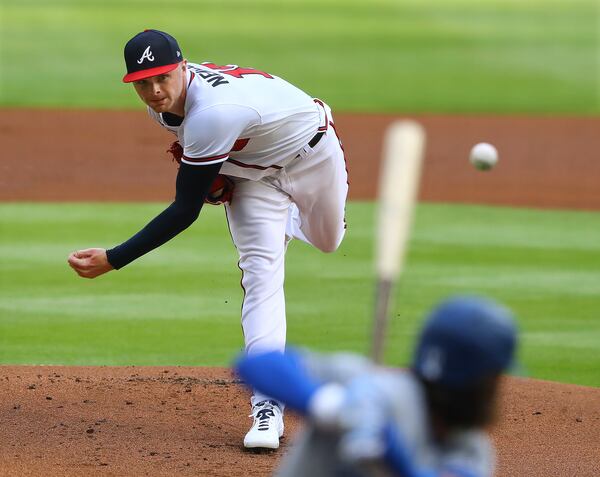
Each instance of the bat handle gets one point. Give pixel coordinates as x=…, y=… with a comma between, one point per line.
x=382, y=304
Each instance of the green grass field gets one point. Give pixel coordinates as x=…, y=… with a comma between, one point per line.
x=179, y=305
x=498, y=56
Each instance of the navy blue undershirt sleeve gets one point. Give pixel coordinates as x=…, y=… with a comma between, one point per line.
x=192, y=186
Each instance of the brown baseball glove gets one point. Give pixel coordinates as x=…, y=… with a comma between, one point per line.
x=221, y=190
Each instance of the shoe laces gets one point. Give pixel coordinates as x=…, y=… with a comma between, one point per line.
x=263, y=412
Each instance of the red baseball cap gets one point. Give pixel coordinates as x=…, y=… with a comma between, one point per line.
x=151, y=53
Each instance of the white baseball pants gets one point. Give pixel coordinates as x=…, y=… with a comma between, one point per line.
x=304, y=200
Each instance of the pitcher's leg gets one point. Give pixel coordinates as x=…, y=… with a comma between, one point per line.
x=257, y=218
x=319, y=187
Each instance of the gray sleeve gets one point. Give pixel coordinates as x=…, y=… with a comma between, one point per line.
x=393, y=391
x=338, y=368
x=315, y=453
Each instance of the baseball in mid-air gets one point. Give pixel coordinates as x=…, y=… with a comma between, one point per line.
x=483, y=156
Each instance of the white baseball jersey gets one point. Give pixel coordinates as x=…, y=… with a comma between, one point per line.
x=254, y=122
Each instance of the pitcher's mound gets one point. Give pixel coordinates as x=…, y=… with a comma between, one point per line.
x=135, y=421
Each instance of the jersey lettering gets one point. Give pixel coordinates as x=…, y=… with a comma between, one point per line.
x=214, y=79
x=236, y=71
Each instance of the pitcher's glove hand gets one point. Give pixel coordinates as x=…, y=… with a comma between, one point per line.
x=221, y=191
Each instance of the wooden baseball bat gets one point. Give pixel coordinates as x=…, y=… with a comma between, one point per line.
x=398, y=187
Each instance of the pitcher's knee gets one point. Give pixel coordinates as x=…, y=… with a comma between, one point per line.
x=330, y=244
x=329, y=248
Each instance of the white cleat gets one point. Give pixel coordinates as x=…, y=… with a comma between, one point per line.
x=267, y=427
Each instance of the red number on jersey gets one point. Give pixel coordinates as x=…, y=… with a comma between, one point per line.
x=236, y=71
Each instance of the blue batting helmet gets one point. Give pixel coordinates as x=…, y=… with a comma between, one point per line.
x=464, y=339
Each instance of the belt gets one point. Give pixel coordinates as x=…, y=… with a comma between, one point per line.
x=316, y=138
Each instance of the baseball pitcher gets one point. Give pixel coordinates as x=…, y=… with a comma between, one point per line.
x=263, y=147
x=364, y=420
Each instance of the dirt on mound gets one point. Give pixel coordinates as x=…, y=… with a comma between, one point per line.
x=135, y=421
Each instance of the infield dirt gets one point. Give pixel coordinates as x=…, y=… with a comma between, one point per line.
x=121, y=156
x=132, y=421
x=71, y=421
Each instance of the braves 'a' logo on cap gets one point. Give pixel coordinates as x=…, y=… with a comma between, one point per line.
x=147, y=55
